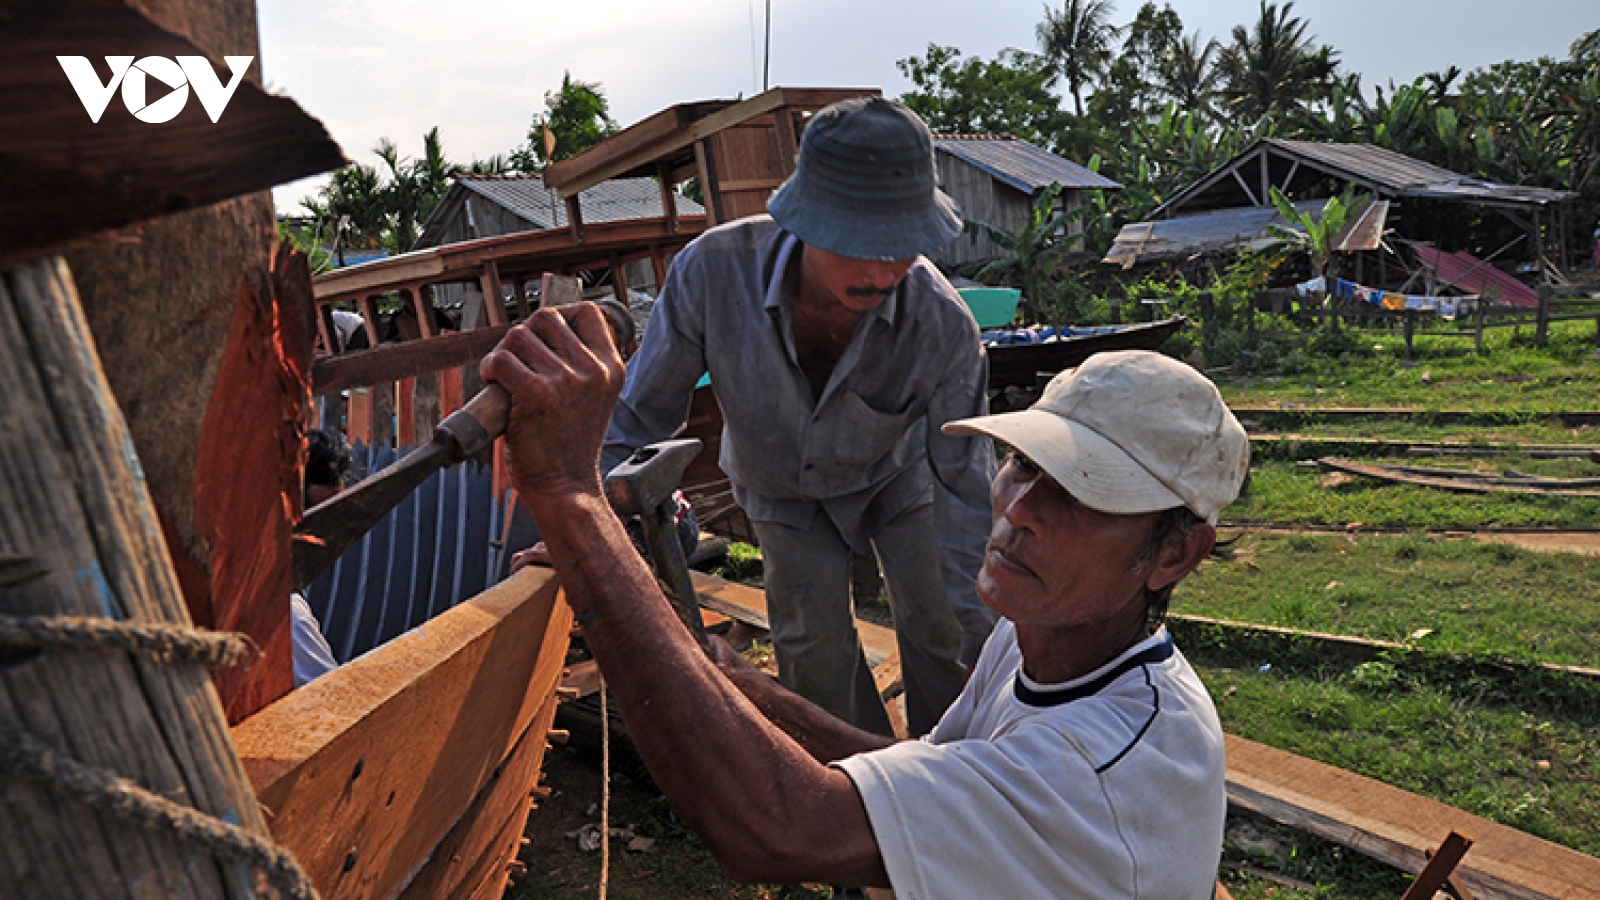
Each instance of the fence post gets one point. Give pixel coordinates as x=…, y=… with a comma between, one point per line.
x=1477, y=335
x=1411, y=329
x=1542, y=330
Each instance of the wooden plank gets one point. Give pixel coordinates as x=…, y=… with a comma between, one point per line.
x=358, y=425
x=421, y=306
x=745, y=603
x=369, y=319
x=788, y=141
x=80, y=537
x=628, y=142
x=1383, y=473
x=1399, y=828
x=1439, y=869
x=669, y=197
x=1351, y=648
x=751, y=184
x=416, y=266
x=67, y=176
x=411, y=359
x=580, y=173
x=368, y=768
x=486, y=837
x=452, y=392
x=707, y=170
x=494, y=302
x=406, y=413
x=581, y=679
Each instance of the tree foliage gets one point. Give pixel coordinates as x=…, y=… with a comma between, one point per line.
x=967, y=95
x=1079, y=41
x=577, y=115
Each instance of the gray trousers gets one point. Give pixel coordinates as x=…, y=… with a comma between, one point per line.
x=807, y=577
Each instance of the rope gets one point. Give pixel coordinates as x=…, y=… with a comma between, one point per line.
x=23, y=754
x=186, y=645
x=605, y=791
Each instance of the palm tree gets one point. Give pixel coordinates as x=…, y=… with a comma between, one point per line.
x=1189, y=75
x=1274, y=67
x=1078, y=43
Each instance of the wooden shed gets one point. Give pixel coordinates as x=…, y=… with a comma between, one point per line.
x=996, y=179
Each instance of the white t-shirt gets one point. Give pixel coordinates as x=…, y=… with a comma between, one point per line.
x=347, y=324
x=1111, y=785
x=313, y=658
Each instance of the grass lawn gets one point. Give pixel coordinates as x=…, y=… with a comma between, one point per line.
x=1468, y=596
x=1518, y=747
x=1282, y=493
x=1511, y=374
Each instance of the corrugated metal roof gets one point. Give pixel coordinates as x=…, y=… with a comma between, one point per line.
x=1024, y=166
x=1364, y=231
x=528, y=198
x=1202, y=233
x=1390, y=173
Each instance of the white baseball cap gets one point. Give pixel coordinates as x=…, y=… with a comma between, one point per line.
x=1130, y=432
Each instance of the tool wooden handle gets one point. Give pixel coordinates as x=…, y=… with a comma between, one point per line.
x=474, y=426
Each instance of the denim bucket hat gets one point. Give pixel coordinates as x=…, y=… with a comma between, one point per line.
x=864, y=186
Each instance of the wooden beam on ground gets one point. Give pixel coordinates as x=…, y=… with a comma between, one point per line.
x=1399, y=828
x=411, y=359
x=367, y=769
x=1464, y=486
x=743, y=603
x=1357, y=649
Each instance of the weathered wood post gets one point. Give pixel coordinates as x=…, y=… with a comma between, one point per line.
x=1477, y=332
x=1410, y=330
x=79, y=538
x=1542, y=329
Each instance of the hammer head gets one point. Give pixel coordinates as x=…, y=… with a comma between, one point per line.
x=647, y=478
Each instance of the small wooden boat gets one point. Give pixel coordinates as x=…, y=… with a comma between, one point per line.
x=1021, y=364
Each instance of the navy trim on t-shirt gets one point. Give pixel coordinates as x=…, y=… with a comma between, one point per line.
x=1058, y=696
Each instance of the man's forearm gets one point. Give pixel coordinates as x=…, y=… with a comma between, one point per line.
x=695, y=730
x=825, y=736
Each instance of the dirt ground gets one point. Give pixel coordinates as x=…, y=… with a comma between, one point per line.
x=667, y=863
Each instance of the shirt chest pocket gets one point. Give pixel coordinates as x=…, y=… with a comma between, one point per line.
x=863, y=433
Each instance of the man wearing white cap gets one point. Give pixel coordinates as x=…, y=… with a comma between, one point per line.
x=836, y=352
x=1083, y=759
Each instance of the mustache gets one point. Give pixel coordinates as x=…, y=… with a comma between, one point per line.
x=868, y=292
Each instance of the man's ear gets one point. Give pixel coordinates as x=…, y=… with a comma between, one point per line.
x=1179, y=558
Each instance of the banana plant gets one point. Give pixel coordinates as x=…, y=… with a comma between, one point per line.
x=1311, y=233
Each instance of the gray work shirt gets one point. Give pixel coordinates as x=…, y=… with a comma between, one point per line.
x=862, y=452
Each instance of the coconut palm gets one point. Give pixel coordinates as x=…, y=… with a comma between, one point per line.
x=1188, y=73
x=1274, y=68
x=1078, y=42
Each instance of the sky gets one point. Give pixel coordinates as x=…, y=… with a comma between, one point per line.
x=479, y=69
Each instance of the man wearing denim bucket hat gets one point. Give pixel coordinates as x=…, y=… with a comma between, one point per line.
x=837, y=352
x=1082, y=760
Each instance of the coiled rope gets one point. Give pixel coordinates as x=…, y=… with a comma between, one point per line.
x=25, y=755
